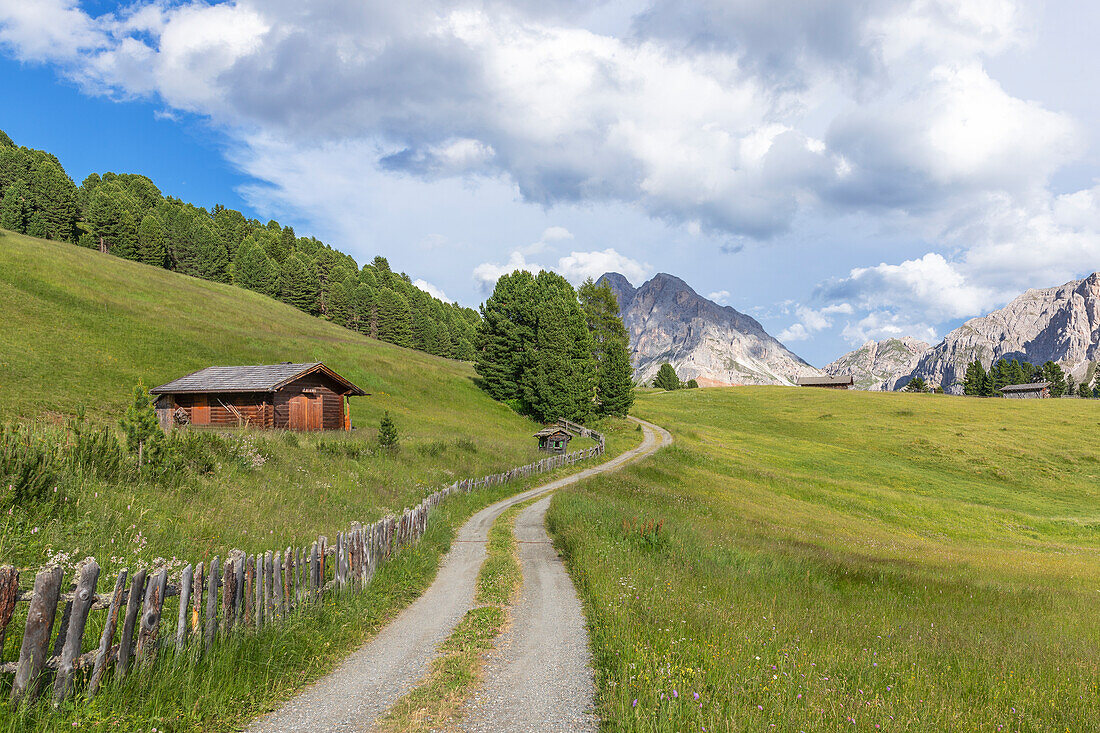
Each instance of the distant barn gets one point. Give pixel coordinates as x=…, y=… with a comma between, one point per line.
x=1032, y=391
x=553, y=439
x=284, y=396
x=829, y=381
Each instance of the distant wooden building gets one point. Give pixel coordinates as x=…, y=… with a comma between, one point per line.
x=1032, y=391
x=284, y=396
x=553, y=439
x=829, y=381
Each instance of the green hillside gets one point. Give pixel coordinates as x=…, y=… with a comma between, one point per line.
x=846, y=560
x=81, y=328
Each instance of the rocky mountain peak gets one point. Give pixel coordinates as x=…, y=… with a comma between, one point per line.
x=876, y=363
x=668, y=321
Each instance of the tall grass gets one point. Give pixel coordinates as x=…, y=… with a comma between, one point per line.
x=840, y=561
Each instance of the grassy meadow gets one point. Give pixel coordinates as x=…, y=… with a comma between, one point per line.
x=811, y=560
x=81, y=328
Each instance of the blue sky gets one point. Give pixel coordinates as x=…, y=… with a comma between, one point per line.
x=842, y=171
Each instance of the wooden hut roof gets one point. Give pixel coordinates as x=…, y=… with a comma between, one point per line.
x=1027, y=387
x=256, y=378
x=828, y=379
x=551, y=430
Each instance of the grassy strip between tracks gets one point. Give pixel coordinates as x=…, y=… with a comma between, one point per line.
x=437, y=701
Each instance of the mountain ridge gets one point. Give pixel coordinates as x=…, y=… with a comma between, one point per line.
x=714, y=344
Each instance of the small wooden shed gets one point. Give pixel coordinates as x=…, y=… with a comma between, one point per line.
x=285, y=396
x=829, y=381
x=1032, y=391
x=553, y=439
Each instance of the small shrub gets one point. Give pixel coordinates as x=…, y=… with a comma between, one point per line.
x=387, y=434
x=465, y=444
x=433, y=449
x=29, y=467
x=354, y=449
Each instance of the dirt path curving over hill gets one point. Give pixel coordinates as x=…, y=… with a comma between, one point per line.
x=539, y=677
x=373, y=677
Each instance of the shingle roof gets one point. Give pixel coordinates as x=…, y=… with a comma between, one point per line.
x=1028, y=387
x=828, y=379
x=257, y=378
x=551, y=430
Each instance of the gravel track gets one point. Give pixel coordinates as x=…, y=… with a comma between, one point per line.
x=539, y=677
x=376, y=675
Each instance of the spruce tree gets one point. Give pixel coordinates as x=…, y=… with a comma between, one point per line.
x=54, y=197
x=1051, y=372
x=387, y=433
x=691, y=384
x=505, y=335
x=394, y=318
x=139, y=423
x=36, y=225
x=616, y=381
x=151, y=241
x=13, y=210
x=1084, y=392
x=253, y=270
x=105, y=216
x=297, y=286
x=127, y=244
x=666, y=378
x=559, y=374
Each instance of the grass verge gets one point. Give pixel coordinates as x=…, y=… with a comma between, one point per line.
x=845, y=561
x=436, y=703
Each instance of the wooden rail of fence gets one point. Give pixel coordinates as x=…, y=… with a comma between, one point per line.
x=256, y=591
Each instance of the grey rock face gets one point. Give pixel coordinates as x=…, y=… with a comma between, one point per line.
x=1054, y=324
x=876, y=363
x=668, y=321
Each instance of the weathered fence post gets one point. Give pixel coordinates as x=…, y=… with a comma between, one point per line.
x=36, y=636
x=238, y=596
x=9, y=589
x=250, y=591
x=87, y=574
x=196, y=601
x=149, y=629
x=288, y=584
x=268, y=616
x=277, y=579
x=187, y=577
x=229, y=591
x=104, y=654
x=314, y=564
x=133, y=607
x=211, y=605
x=258, y=591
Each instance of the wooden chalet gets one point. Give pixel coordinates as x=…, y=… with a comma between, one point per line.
x=282, y=396
x=1032, y=391
x=553, y=439
x=829, y=381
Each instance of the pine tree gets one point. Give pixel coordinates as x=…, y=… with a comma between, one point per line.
x=976, y=380
x=104, y=216
x=253, y=270
x=297, y=286
x=140, y=423
x=36, y=225
x=127, y=244
x=916, y=384
x=505, y=335
x=387, y=434
x=1051, y=372
x=616, y=381
x=151, y=241
x=666, y=378
x=394, y=318
x=691, y=384
x=559, y=375
x=14, y=209
x=54, y=197
x=1084, y=392
x=601, y=310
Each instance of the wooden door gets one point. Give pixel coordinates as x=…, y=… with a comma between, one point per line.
x=298, y=412
x=305, y=412
x=200, y=411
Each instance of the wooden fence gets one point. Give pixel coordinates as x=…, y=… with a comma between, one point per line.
x=251, y=591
